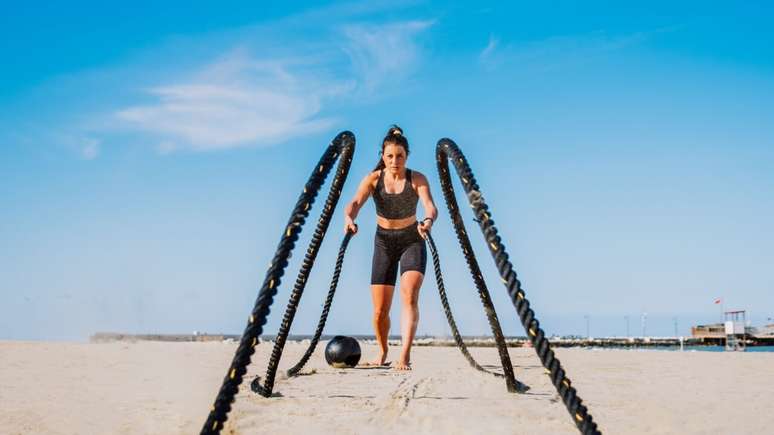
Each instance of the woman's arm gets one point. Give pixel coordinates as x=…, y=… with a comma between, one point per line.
x=352, y=208
x=431, y=213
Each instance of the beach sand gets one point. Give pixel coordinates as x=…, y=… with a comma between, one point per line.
x=167, y=388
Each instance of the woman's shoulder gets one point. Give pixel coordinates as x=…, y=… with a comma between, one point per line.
x=418, y=177
x=372, y=178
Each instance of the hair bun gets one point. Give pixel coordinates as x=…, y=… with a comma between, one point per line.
x=394, y=137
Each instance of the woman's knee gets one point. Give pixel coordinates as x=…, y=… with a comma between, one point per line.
x=381, y=314
x=410, y=298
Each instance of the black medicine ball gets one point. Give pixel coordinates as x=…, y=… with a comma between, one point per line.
x=342, y=352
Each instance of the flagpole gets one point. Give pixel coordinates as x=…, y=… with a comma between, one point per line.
x=722, y=310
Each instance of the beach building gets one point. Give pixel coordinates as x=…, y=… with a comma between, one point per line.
x=764, y=333
x=710, y=332
x=718, y=333
x=736, y=332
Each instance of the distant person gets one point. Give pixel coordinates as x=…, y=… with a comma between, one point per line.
x=398, y=240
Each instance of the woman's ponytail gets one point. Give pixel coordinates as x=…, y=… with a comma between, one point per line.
x=394, y=137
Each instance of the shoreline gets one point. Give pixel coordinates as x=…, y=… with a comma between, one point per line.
x=434, y=341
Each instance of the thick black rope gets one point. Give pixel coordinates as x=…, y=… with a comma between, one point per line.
x=448, y=150
x=342, y=148
x=326, y=307
x=450, y=318
x=266, y=389
x=513, y=385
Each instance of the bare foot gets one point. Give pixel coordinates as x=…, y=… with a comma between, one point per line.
x=378, y=362
x=403, y=365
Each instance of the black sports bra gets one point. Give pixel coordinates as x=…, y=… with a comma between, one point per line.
x=395, y=205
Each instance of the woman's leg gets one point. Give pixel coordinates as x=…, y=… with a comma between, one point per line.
x=381, y=295
x=410, y=282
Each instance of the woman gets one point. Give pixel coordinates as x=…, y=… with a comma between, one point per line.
x=399, y=239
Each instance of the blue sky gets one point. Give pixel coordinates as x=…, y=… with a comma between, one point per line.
x=151, y=155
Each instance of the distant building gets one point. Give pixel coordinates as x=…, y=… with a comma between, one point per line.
x=766, y=331
x=715, y=333
x=712, y=331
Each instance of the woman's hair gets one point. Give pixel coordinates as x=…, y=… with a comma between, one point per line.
x=394, y=137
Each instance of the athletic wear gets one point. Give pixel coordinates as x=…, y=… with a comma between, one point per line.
x=395, y=205
x=404, y=246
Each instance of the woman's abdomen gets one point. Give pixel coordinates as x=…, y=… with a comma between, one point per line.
x=392, y=224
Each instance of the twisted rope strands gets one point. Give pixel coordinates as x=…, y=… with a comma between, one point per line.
x=448, y=150
x=341, y=147
x=512, y=384
x=300, y=285
x=326, y=308
x=447, y=310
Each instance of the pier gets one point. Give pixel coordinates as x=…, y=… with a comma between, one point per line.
x=703, y=339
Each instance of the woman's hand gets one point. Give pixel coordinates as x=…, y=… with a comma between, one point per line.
x=424, y=227
x=350, y=226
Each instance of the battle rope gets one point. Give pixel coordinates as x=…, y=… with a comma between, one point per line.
x=453, y=325
x=341, y=148
x=266, y=389
x=448, y=150
x=329, y=299
x=326, y=308
x=511, y=383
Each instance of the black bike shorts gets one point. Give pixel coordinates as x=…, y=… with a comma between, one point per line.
x=404, y=246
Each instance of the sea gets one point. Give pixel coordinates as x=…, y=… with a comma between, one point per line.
x=719, y=348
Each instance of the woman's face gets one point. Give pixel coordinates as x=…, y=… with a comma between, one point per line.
x=394, y=157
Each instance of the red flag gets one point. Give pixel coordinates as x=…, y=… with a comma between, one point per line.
x=717, y=301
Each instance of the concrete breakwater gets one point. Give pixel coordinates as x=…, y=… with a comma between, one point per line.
x=471, y=341
x=102, y=337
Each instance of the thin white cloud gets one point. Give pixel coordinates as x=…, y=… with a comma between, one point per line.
x=244, y=100
x=236, y=101
x=486, y=53
x=487, y=57
x=80, y=145
x=576, y=47
x=209, y=116
x=383, y=54
x=559, y=51
x=90, y=149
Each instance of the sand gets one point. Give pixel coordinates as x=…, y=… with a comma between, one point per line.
x=167, y=388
